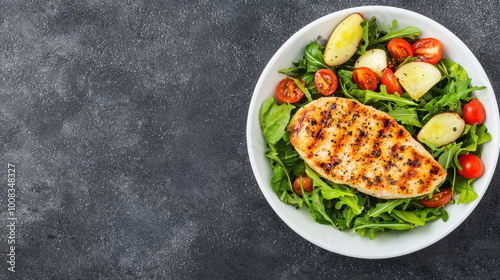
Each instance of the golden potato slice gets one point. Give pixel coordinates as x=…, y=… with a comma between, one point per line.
x=417, y=77
x=344, y=40
x=442, y=129
x=375, y=59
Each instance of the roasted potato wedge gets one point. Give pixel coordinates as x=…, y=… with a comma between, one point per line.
x=344, y=40
x=442, y=129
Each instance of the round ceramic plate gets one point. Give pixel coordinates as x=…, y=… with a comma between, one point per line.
x=393, y=243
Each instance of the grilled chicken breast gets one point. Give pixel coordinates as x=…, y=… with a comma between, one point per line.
x=350, y=143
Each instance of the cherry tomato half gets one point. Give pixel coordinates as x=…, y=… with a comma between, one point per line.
x=288, y=91
x=325, y=81
x=307, y=184
x=474, y=112
x=365, y=78
x=391, y=83
x=428, y=50
x=472, y=167
x=399, y=49
x=438, y=199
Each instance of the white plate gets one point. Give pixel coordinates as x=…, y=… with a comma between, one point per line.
x=393, y=243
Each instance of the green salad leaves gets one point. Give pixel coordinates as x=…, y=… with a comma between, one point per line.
x=344, y=207
x=376, y=35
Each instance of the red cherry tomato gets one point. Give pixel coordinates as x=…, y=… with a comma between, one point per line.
x=474, y=112
x=438, y=199
x=428, y=50
x=472, y=167
x=307, y=184
x=365, y=78
x=325, y=81
x=288, y=91
x=399, y=49
x=391, y=83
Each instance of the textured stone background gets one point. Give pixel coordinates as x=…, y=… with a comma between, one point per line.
x=126, y=122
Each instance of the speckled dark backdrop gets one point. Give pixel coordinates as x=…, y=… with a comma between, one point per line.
x=126, y=123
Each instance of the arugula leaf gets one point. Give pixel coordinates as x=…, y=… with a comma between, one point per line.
x=369, y=33
x=409, y=217
x=405, y=115
x=446, y=158
x=464, y=187
x=407, y=59
x=457, y=92
x=332, y=193
x=483, y=135
x=444, y=214
x=385, y=207
x=308, y=78
x=281, y=184
x=316, y=206
x=314, y=57
x=384, y=96
x=351, y=90
x=273, y=119
x=273, y=156
x=408, y=32
x=291, y=199
x=280, y=181
x=450, y=68
x=363, y=223
x=296, y=71
x=349, y=216
x=435, y=150
x=458, y=88
x=470, y=139
x=345, y=197
x=352, y=202
x=327, y=191
x=302, y=88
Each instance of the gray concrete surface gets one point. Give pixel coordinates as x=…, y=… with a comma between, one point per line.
x=126, y=121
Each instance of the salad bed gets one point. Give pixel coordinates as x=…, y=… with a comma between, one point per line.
x=341, y=206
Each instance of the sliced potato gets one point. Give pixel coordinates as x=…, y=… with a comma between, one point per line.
x=344, y=40
x=375, y=59
x=417, y=77
x=442, y=129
